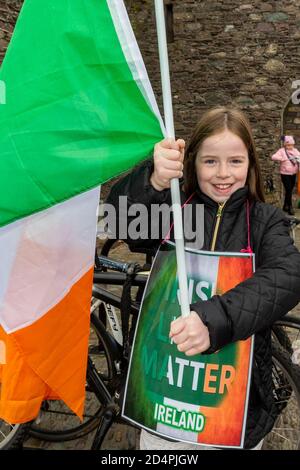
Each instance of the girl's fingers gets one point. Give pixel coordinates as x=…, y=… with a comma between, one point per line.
x=171, y=165
x=177, y=326
x=180, y=337
x=168, y=171
x=168, y=143
x=189, y=348
x=168, y=162
x=166, y=175
x=172, y=144
x=200, y=348
x=170, y=150
x=184, y=346
x=194, y=351
x=169, y=154
x=190, y=334
x=181, y=144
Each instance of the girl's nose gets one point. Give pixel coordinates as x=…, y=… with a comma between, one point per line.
x=223, y=171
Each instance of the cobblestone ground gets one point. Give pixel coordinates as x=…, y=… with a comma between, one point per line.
x=121, y=436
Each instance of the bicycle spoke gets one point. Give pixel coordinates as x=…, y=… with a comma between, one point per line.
x=285, y=434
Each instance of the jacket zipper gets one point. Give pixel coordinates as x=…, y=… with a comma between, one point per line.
x=218, y=216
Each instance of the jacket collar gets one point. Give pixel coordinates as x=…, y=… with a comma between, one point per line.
x=237, y=199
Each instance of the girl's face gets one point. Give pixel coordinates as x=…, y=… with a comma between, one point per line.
x=289, y=146
x=222, y=165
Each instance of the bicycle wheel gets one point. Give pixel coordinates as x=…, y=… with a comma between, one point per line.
x=287, y=333
x=285, y=434
x=56, y=422
x=12, y=436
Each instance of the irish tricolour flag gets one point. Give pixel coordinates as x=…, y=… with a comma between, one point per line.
x=79, y=110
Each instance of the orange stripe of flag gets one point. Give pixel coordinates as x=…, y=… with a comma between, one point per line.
x=229, y=414
x=48, y=358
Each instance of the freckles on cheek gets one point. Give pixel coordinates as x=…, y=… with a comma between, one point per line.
x=201, y=174
x=201, y=182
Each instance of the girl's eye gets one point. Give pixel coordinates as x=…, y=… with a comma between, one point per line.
x=209, y=162
x=236, y=161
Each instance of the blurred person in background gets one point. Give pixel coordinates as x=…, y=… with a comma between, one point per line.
x=289, y=158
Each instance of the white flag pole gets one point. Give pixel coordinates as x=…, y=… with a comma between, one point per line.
x=169, y=123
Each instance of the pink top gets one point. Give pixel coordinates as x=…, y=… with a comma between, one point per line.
x=286, y=166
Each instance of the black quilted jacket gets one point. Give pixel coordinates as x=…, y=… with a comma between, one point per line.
x=252, y=306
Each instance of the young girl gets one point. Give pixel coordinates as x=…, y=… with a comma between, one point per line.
x=287, y=156
x=220, y=170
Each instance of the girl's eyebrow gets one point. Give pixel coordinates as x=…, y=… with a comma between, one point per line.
x=216, y=156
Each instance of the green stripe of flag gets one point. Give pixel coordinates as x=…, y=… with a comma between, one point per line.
x=74, y=116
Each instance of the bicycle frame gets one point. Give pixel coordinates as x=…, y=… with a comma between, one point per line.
x=110, y=301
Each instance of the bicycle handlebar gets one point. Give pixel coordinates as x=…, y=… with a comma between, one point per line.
x=112, y=264
x=118, y=279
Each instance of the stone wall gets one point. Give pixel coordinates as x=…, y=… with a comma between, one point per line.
x=9, y=10
x=239, y=52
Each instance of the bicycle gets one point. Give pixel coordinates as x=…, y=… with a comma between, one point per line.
x=105, y=380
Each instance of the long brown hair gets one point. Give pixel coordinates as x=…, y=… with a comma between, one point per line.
x=213, y=122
